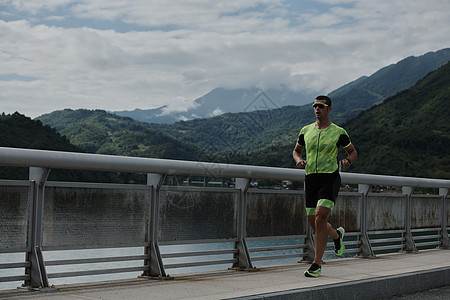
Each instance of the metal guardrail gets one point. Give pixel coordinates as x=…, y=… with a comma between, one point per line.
x=67, y=216
x=83, y=161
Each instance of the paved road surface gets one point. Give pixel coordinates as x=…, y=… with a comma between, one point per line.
x=434, y=294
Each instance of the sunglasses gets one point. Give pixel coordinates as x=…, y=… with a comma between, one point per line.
x=320, y=105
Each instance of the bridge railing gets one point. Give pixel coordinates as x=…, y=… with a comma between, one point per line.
x=186, y=226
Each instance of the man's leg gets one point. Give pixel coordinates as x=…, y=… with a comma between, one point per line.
x=322, y=230
x=331, y=231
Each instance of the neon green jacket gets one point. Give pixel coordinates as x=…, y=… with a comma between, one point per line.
x=321, y=146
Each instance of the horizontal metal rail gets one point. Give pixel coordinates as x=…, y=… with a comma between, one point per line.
x=387, y=240
x=276, y=248
x=273, y=257
x=200, y=263
x=426, y=237
x=389, y=247
x=352, y=243
x=420, y=230
x=83, y=247
x=381, y=232
x=198, y=253
x=273, y=238
x=97, y=162
x=15, y=265
x=346, y=243
x=425, y=244
x=190, y=242
x=96, y=272
x=14, y=250
x=347, y=251
x=95, y=260
x=15, y=278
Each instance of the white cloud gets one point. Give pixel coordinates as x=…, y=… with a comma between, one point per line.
x=216, y=112
x=175, y=51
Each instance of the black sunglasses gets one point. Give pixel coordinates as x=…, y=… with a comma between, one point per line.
x=320, y=105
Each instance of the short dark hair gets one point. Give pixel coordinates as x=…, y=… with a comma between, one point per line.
x=324, y=98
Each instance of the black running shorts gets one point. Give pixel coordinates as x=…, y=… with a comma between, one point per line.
x=321, y=190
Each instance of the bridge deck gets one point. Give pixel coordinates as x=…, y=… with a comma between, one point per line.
x=347, y=278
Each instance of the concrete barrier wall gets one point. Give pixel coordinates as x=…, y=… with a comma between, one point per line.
x=192, y=213
x=347, y=212
x=15, y=214
x=386, y=212
x=426, y=211
x=275, y=213
x=81, y=217
x=88, y=217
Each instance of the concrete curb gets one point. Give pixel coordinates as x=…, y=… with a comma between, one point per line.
x=377, y=288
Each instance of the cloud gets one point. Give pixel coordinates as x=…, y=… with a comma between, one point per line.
x=34, y=6
x=216, y=112
x=121, y=55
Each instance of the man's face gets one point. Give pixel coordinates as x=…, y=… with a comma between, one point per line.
x=321, y=109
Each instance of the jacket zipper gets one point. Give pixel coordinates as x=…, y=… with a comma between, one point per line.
x=317, y=154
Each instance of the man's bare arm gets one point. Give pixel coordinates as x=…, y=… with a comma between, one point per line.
x=297, y=155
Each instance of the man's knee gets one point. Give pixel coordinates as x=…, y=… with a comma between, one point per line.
x=322, y=213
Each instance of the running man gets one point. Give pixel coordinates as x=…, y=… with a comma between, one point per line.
x=321, y=141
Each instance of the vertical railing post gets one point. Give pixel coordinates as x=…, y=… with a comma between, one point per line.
x=308, y=251
x=445, y=243
x=410, y=246
x=366, y=248
x=154, y=263
x=243, y=257
x=37, y=271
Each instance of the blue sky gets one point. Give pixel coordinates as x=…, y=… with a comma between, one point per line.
x=122, y=55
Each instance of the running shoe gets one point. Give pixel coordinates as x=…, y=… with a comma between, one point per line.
x=339, y=243
x=313, y=271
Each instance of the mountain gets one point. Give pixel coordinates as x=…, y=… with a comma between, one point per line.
x=351, y=98
x=19, y=131
x=220, y=101
x=409, y=133
x=245, y=133
x=97, y=131
x=388, y=81
x=242, y=133
x=155, y=115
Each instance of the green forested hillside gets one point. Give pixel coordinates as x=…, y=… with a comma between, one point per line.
x=97, y=131
x=408, y=134
x=19, y=131
x=221, y=137
x=241, y=133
